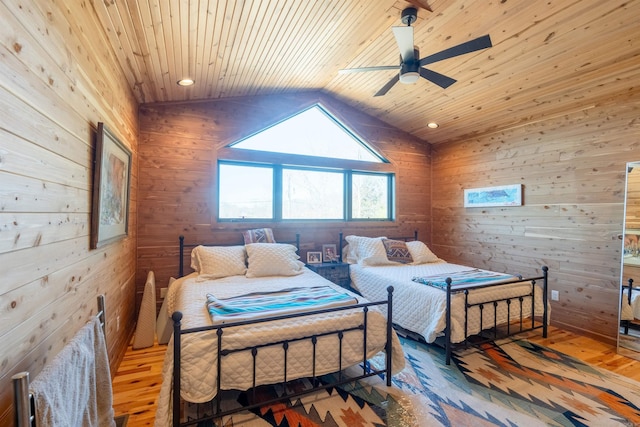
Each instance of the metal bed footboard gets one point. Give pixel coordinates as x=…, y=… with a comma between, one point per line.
x=367, y=371
x=25, y=405
x=495, y=304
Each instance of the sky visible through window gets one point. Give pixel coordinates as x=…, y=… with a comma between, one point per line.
x=310, y=133
x=245, y=191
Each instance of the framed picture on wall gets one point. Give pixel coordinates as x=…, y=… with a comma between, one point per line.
x=503, y=195
x=110, y=200
x=631, y=247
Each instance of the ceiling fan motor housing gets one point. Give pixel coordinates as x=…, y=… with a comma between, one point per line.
x=410, y=70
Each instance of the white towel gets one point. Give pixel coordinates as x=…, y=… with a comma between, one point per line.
x=74, y=389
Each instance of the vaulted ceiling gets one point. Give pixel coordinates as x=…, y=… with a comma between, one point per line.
x=548, y=57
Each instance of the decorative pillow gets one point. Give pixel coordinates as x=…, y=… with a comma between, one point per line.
x=258, y=235
x=368, y=250
x=220, y=261
x=420, y=253
x=273, y=259
x=397, y=251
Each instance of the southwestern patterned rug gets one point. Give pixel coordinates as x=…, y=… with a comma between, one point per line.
x=512, y=383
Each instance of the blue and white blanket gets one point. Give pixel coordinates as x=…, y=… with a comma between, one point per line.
x=286, y=301
x=464, y=278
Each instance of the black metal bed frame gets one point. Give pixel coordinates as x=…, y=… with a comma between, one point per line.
x=489, y=334
x=367, y=371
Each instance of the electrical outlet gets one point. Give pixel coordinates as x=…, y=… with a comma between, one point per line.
x=555, y=296
x=117, y=323
x=163, y=292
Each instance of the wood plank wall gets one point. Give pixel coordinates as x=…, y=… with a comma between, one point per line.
x=178, y=154
x=57, y=81
x=572, y=167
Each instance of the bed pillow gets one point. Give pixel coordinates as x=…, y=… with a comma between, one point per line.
x=220, y=261
x=420, y=253
x=353, y=244
x=358, y=244
x=272, y=259
x=195, y=265
x=397, y=251
x=258, y=235
x=369, y=250
x=348, y=255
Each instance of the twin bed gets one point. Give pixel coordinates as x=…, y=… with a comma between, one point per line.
x=438, y=301
x=214, y=350
x=217, y=346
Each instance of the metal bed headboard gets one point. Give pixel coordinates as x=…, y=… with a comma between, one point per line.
x=184, y=246
x=404, y=238
x=25, y=405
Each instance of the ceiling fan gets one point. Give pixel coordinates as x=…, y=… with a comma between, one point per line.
x=411, y=68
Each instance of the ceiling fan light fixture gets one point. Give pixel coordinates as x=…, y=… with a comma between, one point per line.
x=185, y=82
x=410, y=71
x=409, y=77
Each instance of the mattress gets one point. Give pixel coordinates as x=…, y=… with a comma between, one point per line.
x=198, y=358
x=422, y=309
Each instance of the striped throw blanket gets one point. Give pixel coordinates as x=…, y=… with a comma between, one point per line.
x=464, y=278
x=264, y=304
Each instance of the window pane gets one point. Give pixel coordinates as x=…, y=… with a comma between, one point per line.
x=370, y=194
x=245, y=191
x=312, y=194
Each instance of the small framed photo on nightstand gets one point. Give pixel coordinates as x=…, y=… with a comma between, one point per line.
x=329, y=253
x=314, y=257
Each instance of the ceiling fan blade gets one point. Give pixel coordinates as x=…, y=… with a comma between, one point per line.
x=437, y=78
x=404, y=39
x=357, y=70
x=388, y=86
x=466, y=47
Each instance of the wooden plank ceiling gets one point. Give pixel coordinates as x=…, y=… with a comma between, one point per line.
x=548, y=57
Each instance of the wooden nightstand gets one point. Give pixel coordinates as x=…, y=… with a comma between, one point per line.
x=338, y=272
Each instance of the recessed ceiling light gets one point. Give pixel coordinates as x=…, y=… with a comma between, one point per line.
x=185, y=82
x=432, y=125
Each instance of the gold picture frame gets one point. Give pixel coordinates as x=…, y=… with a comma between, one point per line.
x=111, y=179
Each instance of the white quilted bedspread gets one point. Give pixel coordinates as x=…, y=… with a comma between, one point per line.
x=421, y=309
x=198, y=360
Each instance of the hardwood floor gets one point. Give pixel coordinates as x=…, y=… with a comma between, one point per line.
x=136, y=384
